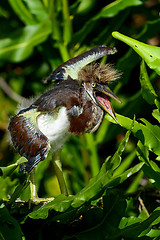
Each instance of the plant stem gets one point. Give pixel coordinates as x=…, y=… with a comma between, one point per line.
x=67, y=26
x=56, y=31
x=8, y=90
x=55, y=26
x=143, y=206
x=63, y=51
x=58, y=170
x=94, y=160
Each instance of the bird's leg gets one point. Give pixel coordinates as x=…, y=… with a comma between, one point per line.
x=34, y=195
x=33, y=189
x=58, y=171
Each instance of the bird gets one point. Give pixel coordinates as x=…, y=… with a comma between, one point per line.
x=75, y=104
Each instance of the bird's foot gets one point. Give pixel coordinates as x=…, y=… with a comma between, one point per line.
x=37, y=200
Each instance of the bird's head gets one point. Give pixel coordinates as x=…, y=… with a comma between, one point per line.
x=94, y=77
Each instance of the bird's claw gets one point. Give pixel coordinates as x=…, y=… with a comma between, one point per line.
x=37, y=201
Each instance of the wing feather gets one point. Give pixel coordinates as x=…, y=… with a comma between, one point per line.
x=73, y=66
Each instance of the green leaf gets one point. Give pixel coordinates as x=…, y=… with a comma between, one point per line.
x=96, y=186
x=104, y=177
x=114, y=208
x=85, y=6
x=21, y=45
x=133, y=227
x=9, y=227
x=108, y=11
x=156, y=114
x=143, y=153
x=134, y=186
x=152, y=174
x=154, y=233
x=6, y=171
x=22, y=12
x=154, y=132
x=37, y=9
x=147, y=89
x=122, y=177
x=150, y=168
x=19, y=189
x=60, y=204
x=127, y=161
x=99, y=183
x=150, y=54
x=147, y=133
x=115, y=7
x=7, y=186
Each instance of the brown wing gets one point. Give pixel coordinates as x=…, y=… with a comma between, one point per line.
x=28, y=141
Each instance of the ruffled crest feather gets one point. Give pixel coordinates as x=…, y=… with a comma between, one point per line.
x=101, y=73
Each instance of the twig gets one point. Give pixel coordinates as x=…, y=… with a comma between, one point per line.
x=142, y=206
x=58, y=171
x=6, y=88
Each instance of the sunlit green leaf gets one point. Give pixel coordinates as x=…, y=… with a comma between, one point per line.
x=60, y=204
x=6, y=171
x=113, y=8
x=154, y=131
x=96, y=186
x=7, y=186
x=147, y=89
x=156, y=114
x=147, y=133
x=154, y=233
x=85, y=6
x=100, y=182
x=150, y=54
x=135, y=227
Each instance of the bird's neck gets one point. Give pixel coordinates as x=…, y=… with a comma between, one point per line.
x=90, y=118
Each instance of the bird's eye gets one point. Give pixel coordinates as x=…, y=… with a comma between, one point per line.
x=93, y=84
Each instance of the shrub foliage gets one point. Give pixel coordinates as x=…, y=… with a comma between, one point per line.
x=113, y=176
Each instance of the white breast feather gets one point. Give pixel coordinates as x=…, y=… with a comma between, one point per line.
x=55, y=127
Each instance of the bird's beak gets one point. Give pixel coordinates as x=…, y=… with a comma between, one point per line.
x=102, y=92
